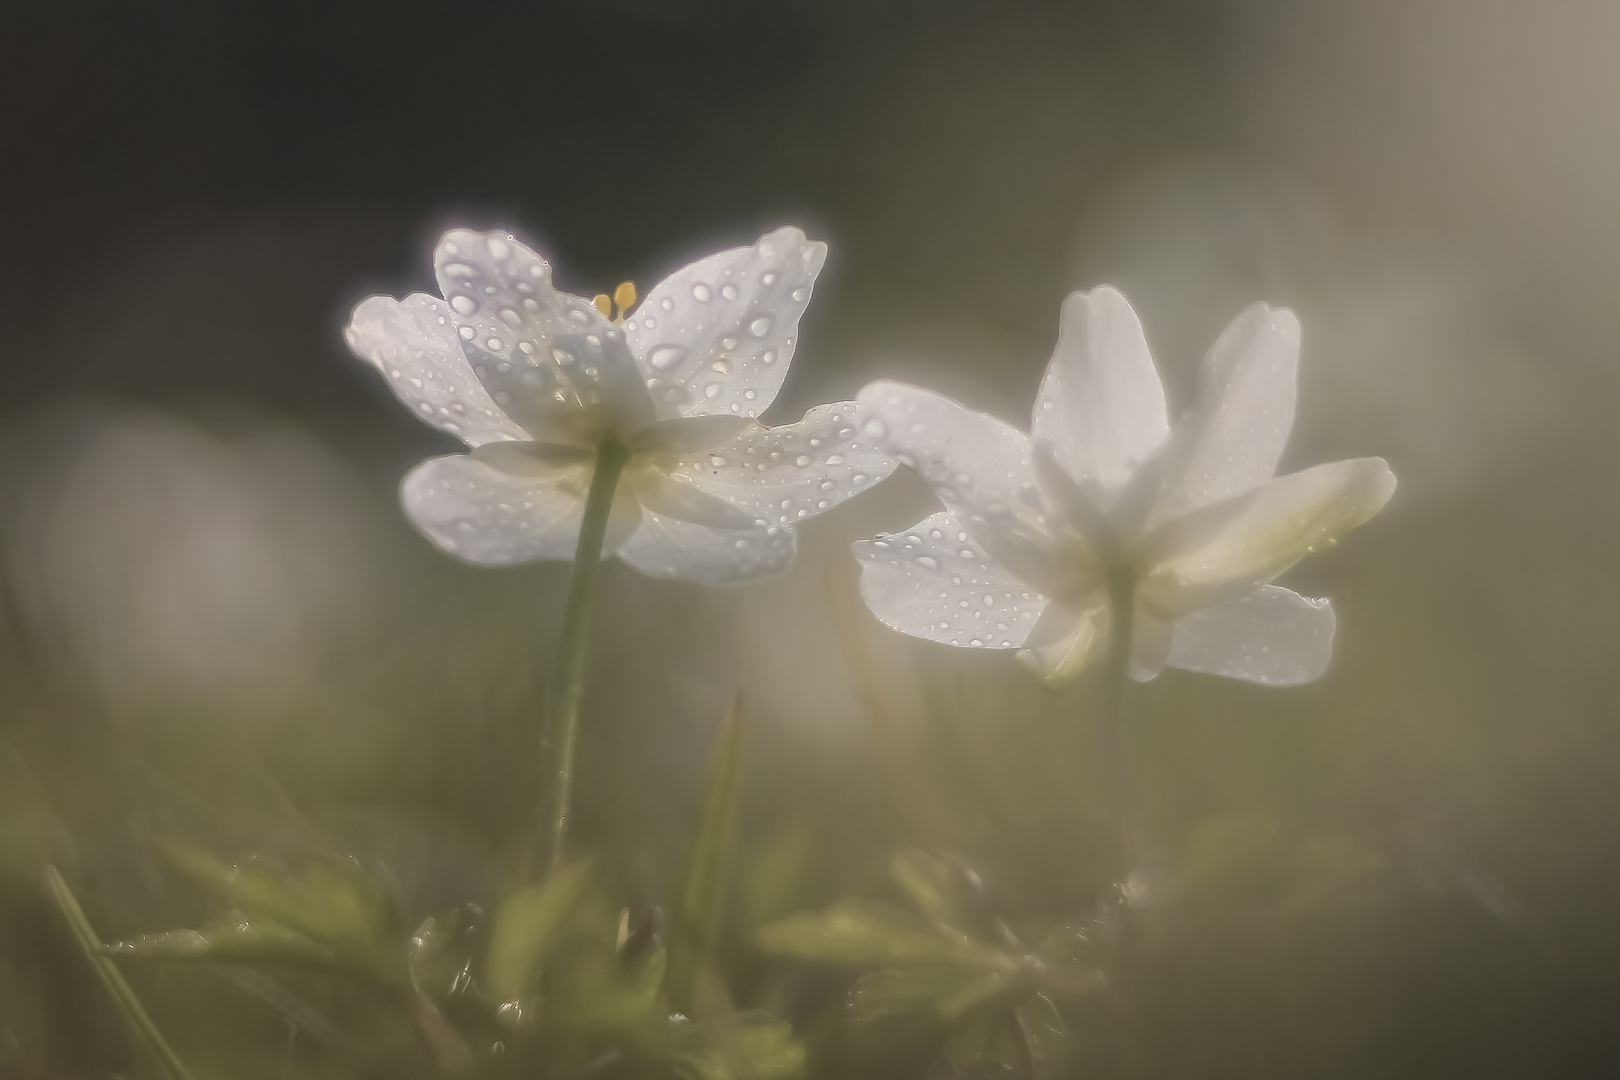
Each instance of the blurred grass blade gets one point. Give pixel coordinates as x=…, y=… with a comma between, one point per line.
x=858, y=933
x=697, y=905
x=120, y=991
x=526, y=926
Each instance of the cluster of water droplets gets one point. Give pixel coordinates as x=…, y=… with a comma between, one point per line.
x=933, y=581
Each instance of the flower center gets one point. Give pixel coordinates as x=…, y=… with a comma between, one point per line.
x=614, y=307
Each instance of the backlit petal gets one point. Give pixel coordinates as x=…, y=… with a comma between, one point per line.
x=716, y=337
x=933, y=581
x=1267, y=635
x=1213, y=553
x=1101, y=405
x=789, y=473
x=665, y=547
x=1231, y=438
x=413, y=343
x=549, y=360
x=476, y=511
x=980, y=468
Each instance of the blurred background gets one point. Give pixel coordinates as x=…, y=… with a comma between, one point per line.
x=216, y=626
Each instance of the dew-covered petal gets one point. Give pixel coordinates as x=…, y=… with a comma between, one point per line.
x=934, y=581
x=549, y=360
x=666, y=547
x=788, y=473
x=716, y=337
x=1231, y=438
x=689, y=434
x=1267, y=635
x=1101, y=404
x=1220, y=550
x=679, y=498
x=980, y=468
x=484, y=514
x=413, y=343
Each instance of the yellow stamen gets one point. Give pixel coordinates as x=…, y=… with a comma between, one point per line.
x=604, y=304
x=625, y=296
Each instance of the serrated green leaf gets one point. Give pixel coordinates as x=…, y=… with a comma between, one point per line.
x=949, y=990
x=232, y=940
x=696, y=917
x=526, y=926
x=858, y=933
x=334, y=904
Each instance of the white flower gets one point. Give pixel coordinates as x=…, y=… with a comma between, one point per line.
x=535, y=380
x=1037, y=527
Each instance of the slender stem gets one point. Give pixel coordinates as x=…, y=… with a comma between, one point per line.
x=568, y=671
x=112, y=979
x=1116, y=676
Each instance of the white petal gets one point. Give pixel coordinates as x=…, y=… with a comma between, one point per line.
x=1069, y=638
x=1101, y=404
x=678, y=498
x=665, y=547
x=717, y=336
x=1221, y=549
x=1230, y=440
x=486, y=515
x=980, y=468
x=413, y=343
x=1268, y=635
x=786, y=474
x=550, y=360
x=933, y=581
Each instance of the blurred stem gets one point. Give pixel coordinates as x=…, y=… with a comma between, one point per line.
x=1116, y=739
x=568, y=672
x=113, y=980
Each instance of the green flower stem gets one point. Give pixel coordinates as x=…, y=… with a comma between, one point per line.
x=1116, y=676
x=568, y=672
x=113, y=980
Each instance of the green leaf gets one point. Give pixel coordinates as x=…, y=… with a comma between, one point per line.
x=950, y=990
x=118, y=989
x=696, y=920
x=858, y=933
x=235, y=940
x=526, y=927
x=330, y=902
x=935, y=886
x=756, y=1048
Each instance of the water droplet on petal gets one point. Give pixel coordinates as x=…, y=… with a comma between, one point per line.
x=464, y=305
x=701, y=293
x=729, y=291
x=498, y=247
x=667, y=304
x=494, y=344
x=712, y=391
x=803, y=461
x=665, y=357
x=928, y=562
x=467, y=333
x=875, y=428
x=761, y=326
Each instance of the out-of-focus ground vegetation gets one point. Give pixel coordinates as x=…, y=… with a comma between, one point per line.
x=221, y=638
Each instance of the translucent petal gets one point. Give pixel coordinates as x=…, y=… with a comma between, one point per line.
x=1267, y=635
x=486, y=515
x=716, y=337
x=1069, y=637
x=1213, y=553
x=549, y=360
x=1101, y=404
x=679, y=498
x=665, y=547
x=933, y=581
x=1230, y=440
x=981, y=470
x=786, y=474
x=413, y=343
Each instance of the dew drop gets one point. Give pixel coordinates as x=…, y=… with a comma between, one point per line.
x=498, y=247
x=760, y=326
x=728, y=343
x=494, y=344
x=464, y=305
x=729, y=291
x=928, y=562
x=665, y=357
x=768, y=357
x=667, y=304
x=803, y=461
x=835, y=459
x=701, y=293
x=801, y=294
x=712, y=391
x=875, y=428
x=467, y=333
x=578, y=316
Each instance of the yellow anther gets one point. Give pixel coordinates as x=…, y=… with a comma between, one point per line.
x=604, y=304
x=625, y=296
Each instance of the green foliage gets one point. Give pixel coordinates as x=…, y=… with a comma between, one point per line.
x=527, y=925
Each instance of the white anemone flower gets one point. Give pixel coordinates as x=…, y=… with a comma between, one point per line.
x=1104, y=521
x=539, y=382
